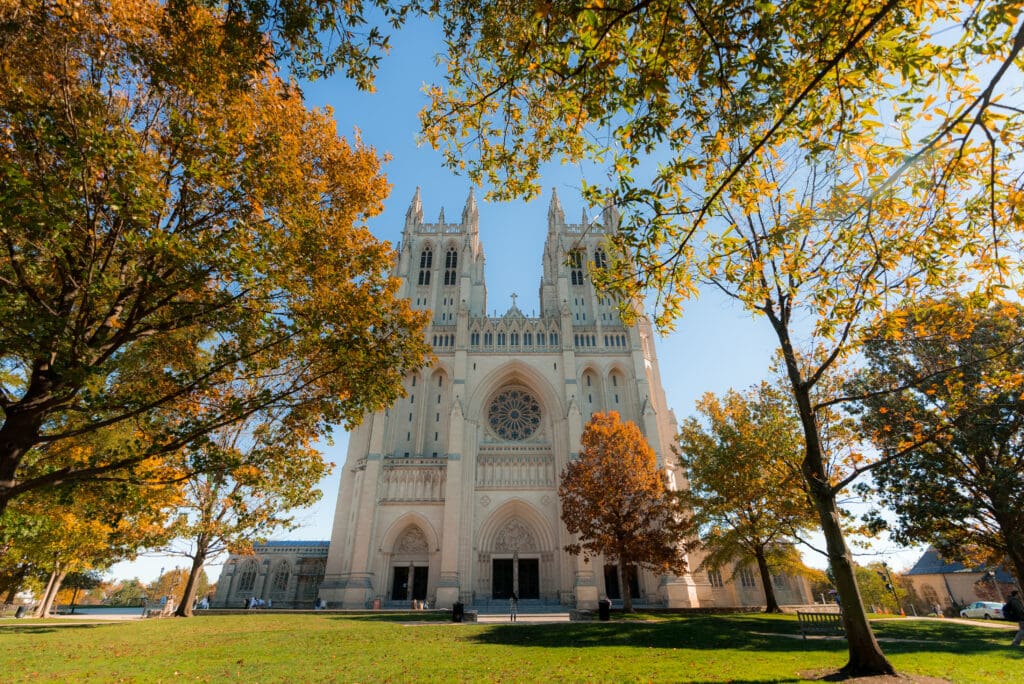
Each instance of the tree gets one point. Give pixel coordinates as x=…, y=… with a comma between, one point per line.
x=72, y=528
x=173, y=224
x=173, y=584
x=269, y=468
x=128, y=593
x=765, y=150
x=81, y=580
x=876, y=590
x=944, y=405
x=619, y=504
x=746, y=490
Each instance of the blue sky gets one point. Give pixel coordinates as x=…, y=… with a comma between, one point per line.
x=716, y=345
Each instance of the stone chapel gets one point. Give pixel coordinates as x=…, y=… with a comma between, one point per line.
x=451, y=493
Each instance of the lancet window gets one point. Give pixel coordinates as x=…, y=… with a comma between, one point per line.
x=451, y=260
x=426, y=263
x=576, y=266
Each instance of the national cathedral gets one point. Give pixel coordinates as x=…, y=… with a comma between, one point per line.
x=451, y=493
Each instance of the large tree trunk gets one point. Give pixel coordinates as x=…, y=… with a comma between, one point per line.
x=50, y=595
x=627, y=597
x=14, y=583
x=188, y=597
x=18, y=434
x=1014, y=540
x=866, y=657
x=771, y=604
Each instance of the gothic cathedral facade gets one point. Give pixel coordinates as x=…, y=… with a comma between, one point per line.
x=451, y=494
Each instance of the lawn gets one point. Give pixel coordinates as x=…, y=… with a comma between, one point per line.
x=265, y=647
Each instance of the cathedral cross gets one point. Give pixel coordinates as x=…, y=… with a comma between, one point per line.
x=514, y=295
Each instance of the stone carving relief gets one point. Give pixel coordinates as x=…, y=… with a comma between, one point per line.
x=412, y=541
x=515, y=536
x=512, y=469
x=410, y=483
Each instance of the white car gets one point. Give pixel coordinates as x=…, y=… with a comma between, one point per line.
x=983, y=609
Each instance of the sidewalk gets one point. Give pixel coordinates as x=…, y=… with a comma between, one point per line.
x=523, y=618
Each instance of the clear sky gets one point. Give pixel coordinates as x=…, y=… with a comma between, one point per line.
x=716, y=345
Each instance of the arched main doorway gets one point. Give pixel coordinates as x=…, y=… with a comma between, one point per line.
x=515, y=563
x=516, y=554
x=410, y=565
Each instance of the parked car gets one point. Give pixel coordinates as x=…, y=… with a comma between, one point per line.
x=983, y=609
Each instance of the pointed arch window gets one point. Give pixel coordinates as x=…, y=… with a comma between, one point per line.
x=247, y=582
x=451, y=261
x=279, y=587
x=600, y=258
x=426, y=263
x=576, y=266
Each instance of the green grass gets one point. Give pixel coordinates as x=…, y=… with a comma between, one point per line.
x=265, y=647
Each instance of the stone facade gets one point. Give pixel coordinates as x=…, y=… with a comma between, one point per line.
x=451, y=494
x=286, y=573
x=949, y=586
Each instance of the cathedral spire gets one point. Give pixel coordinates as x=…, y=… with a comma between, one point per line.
x=556, y=217
x=470, y=215
x=414, y=215
x=440, y=217
x=610, y=217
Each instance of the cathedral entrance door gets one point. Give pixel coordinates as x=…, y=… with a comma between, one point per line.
x=419, y=584
x=405, y=589
x=611, y=582
x=400, y=585
x=529, y=578
x=501, y=578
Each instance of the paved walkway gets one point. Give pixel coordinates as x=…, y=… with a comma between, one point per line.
x=523, y=618
x=991, y=624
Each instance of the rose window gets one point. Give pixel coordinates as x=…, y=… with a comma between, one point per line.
x=514, y=414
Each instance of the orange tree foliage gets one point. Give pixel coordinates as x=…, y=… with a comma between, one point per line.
x=745, y=488
x=70, y=528
x=175, y=221
x=619, y=504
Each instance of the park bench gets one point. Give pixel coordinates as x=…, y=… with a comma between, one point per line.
x=820, y=623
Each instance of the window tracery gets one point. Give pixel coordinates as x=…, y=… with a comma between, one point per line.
x=576, y=266
x=426, y=263
x=514, y=414
x=247, y=582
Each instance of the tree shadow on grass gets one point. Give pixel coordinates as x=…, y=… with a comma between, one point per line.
x=44, y=629
x=741, y=633
x=401, y=616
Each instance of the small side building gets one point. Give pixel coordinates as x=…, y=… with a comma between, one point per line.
x=286, y=573
x=951, y=585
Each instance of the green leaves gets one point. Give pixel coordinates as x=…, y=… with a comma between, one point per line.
x=942, y=403
x=745, y=487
